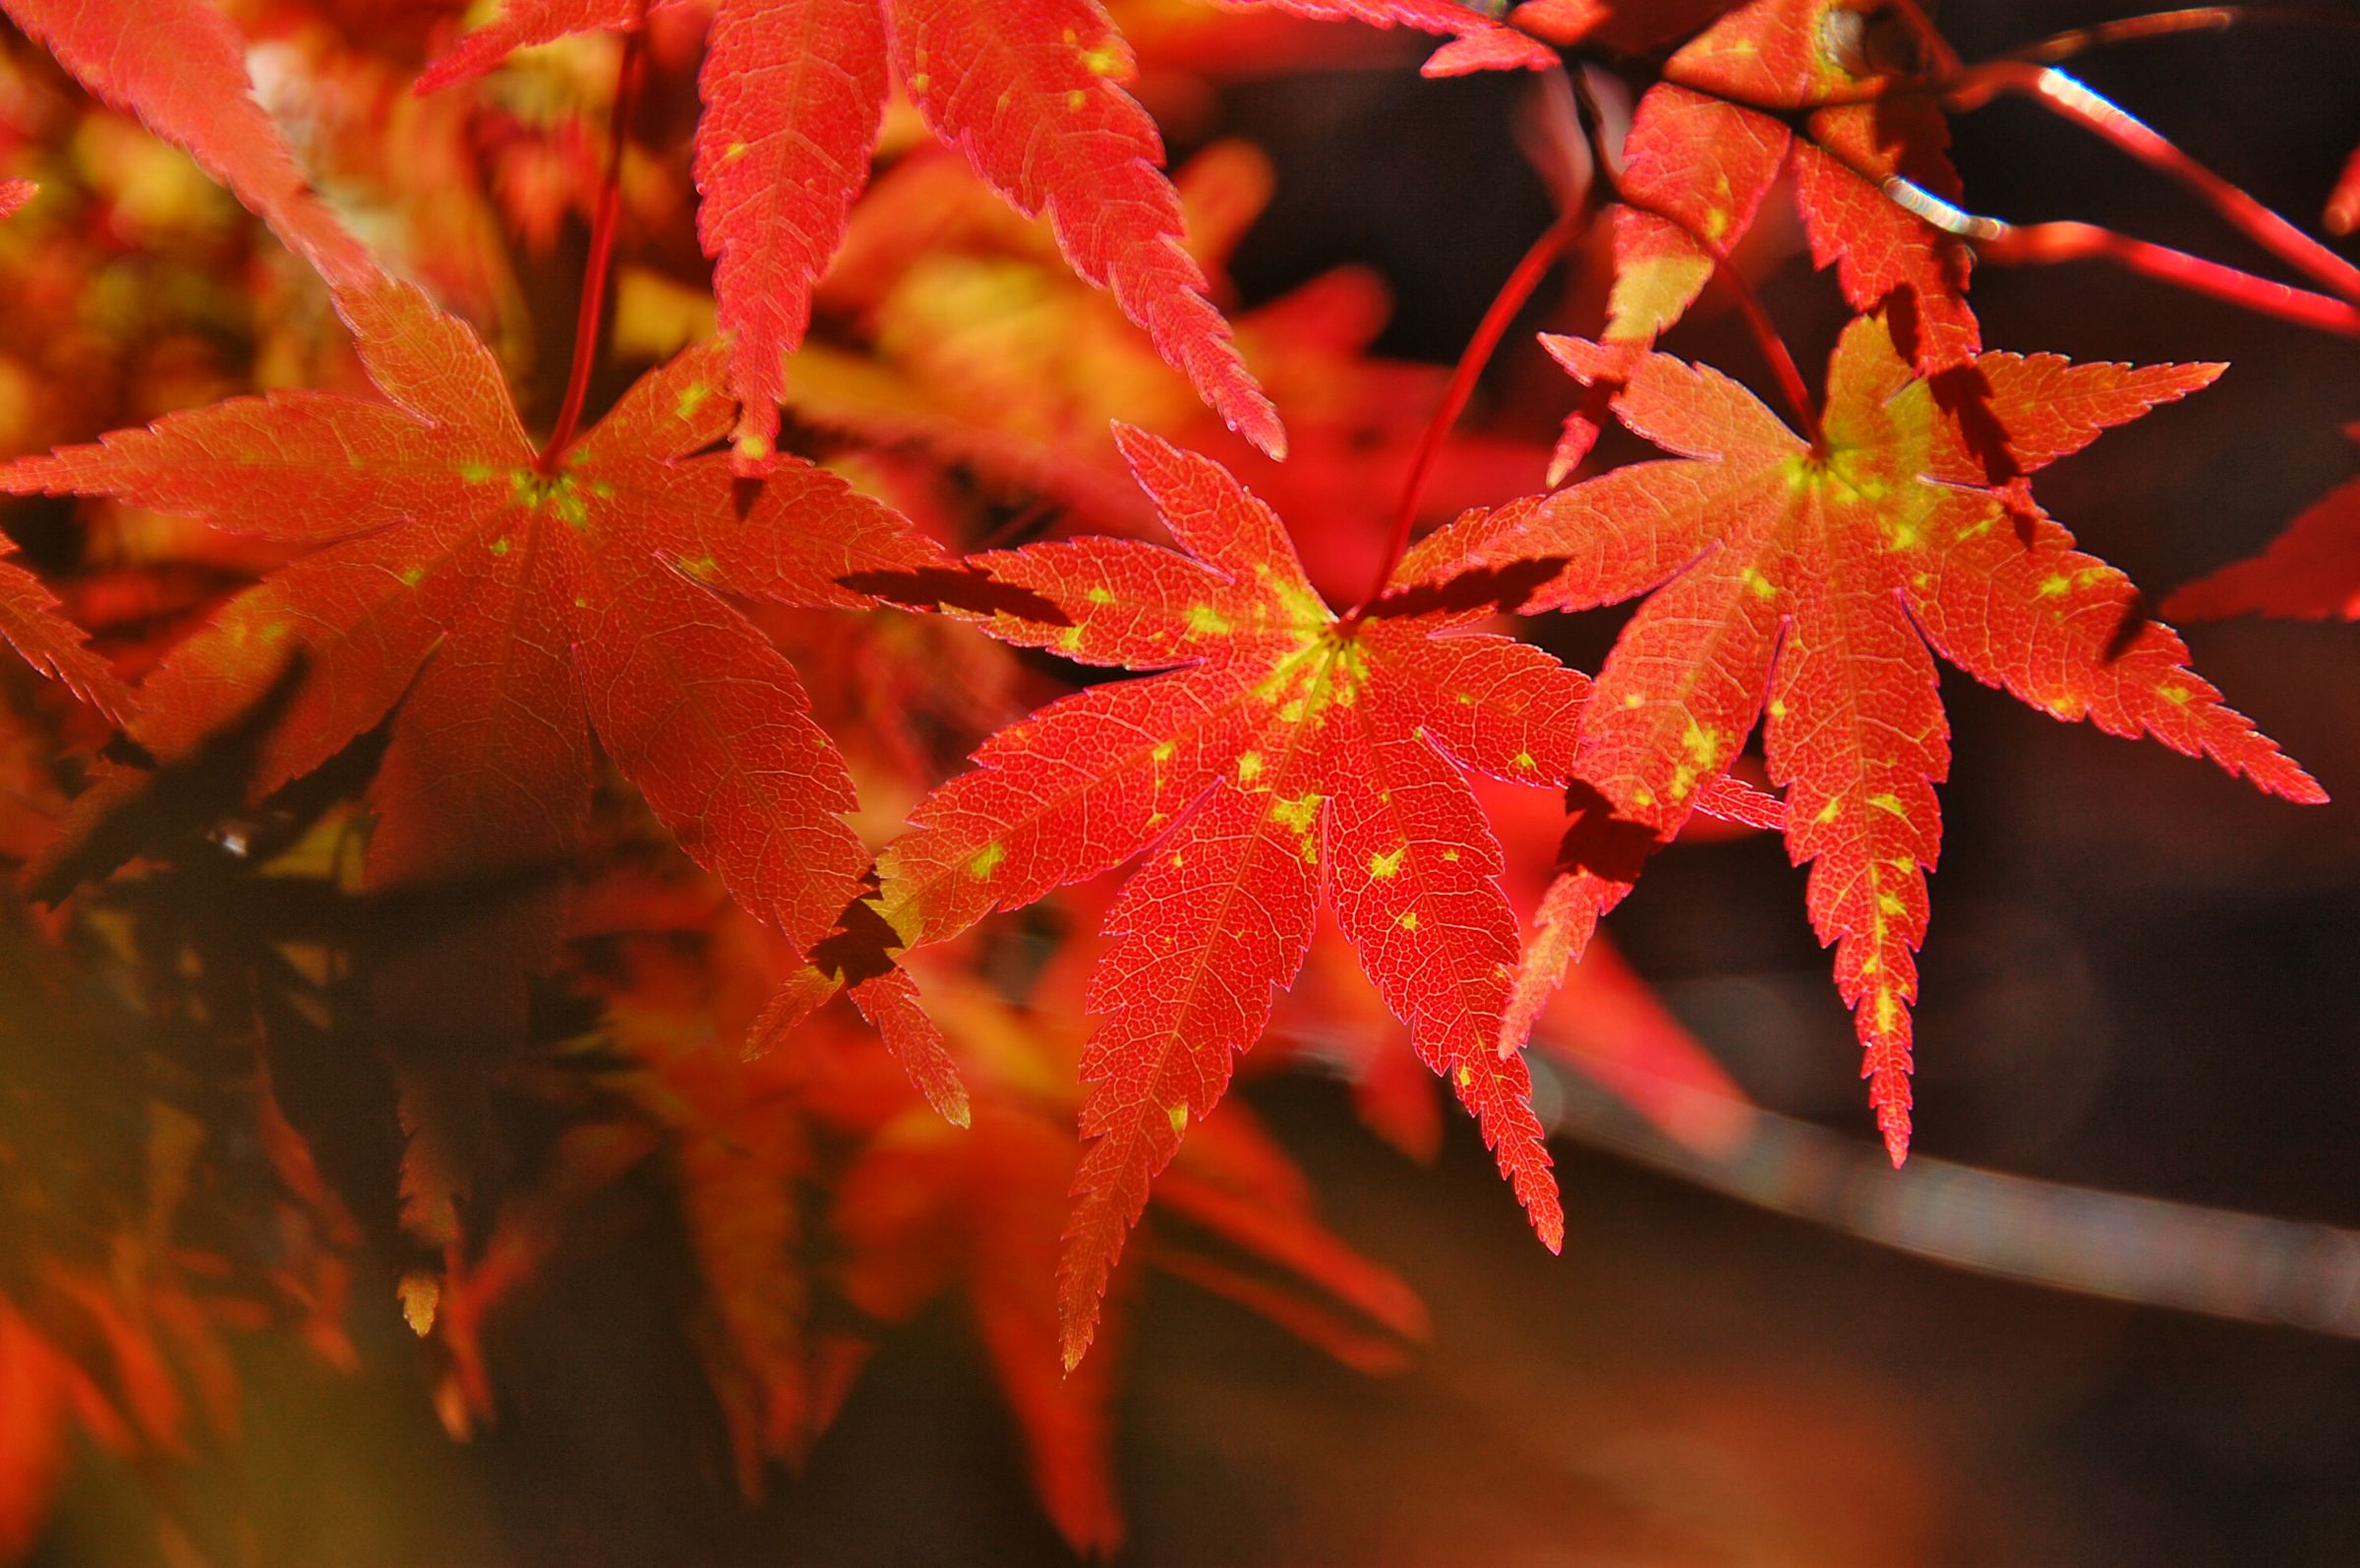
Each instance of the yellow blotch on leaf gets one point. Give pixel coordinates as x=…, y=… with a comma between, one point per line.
x=1384, y=867
x=986, y=862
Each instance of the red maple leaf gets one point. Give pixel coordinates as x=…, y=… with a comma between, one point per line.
x=39, y=630
x=1477, y=42
x=1031, y=90
x=2310, y=572
x=30, y=618
x=503, y=608
x=180, y=66
x=1708, y=141
x=1286, y=759
x=1809, y=584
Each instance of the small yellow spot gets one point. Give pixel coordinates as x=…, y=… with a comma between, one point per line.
x=1105, y=60
x=691, y=399
x=1761, y=585
x=1249, y=766
x=1408, y=920
x=1206, y=622
x=1101, y=595
x=1778, y=707
x=2054, y=584
x=1466, y=699
x=1164, y=752
x=1830, y=812
x=919, y=81
x=1716, y=223
x=1070, y=639
x=1465, y=1076
x=2174, y=693
x=986, y=862
x=1384, y=867
x=1889, y=802
x=1642, y=796
x=1631, y=699
x=412, y=577
x=1890, y=903
x=1075, y=99
x=1888, y=1012
x=1449, y=854
x=420, y=1295
x=1179, y=860
x=1703, y=742
x=704, y=568
x=475, y=473
x=501, y=545
x=1177, y=1114
x=1297, y=814
x=752, y=447
x=733, y=152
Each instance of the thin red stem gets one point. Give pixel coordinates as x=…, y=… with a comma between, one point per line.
x=1773, y=347
x=1489, y=331
x=2042, y=244
x=2068, y=98
x=1946, y=59
x=2022, y=71
x=2166, y=23
x=630, y=78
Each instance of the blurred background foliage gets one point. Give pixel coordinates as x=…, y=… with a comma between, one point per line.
x=258, y=1272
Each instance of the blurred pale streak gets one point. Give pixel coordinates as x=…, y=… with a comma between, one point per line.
x=2143, y=1249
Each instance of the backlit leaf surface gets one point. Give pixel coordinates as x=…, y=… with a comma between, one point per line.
x=1815, y=588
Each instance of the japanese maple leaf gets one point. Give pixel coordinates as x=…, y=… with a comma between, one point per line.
x=180, y=66
x=39, y=630
x=924, y=1211
x=1477, y=42
x=1285, y=760
x=1031, y=90
x=503, y=608
x=30, y=618
x=1809, y=584
x=1707, y=143
x=1529, y=35
x=2310, y=572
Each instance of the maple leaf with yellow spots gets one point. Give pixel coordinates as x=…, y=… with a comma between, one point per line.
x=1807, y=583
x=1286, y=757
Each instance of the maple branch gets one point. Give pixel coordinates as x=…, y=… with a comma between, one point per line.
x=1496, y=322
x=2067, y=97
x=1946, y=59
x=2167, y=24
x=1773, y=347
x=2042, y=244
x=630, y=77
